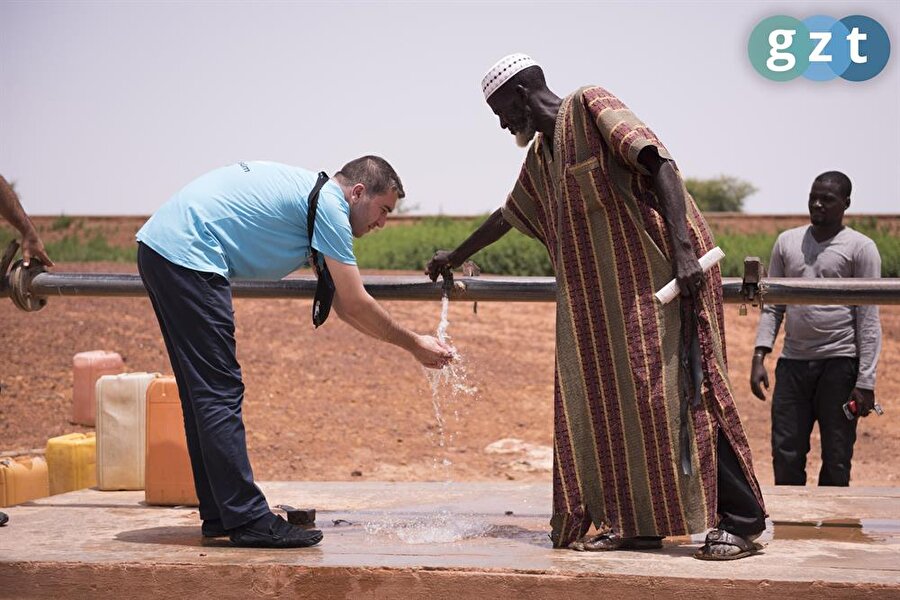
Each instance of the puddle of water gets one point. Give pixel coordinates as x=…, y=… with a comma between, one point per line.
x=857, y=531
x=519, y=534
x=442, y=527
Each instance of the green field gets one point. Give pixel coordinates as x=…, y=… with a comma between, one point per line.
x=78, y=246
x=408, y=247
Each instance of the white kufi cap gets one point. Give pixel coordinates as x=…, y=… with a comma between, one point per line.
x=502, y=70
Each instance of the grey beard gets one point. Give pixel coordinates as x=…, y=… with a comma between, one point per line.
x=523, y=138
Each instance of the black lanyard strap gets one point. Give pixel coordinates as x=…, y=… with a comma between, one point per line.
x=325, y=286
x=312, y=204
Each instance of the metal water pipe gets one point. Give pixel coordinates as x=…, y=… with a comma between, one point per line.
x=31, y=288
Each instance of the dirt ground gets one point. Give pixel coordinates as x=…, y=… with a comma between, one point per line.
x=333, y=404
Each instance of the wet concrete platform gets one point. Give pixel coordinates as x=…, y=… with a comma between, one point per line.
x=437, y=540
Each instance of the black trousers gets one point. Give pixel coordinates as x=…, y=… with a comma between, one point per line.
x=807, y=391
x=739, y=510
x=196, y=317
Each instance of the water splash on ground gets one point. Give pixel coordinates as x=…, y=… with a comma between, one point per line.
x=442, y=527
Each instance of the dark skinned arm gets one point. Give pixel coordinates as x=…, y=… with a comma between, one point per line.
x=11, y=210
x=670, y=193
x=494, y=228
x=759, y=377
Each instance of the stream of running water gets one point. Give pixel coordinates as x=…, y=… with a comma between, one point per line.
x=449, y=390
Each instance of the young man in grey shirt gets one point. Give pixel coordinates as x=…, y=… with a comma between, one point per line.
x=830, y=352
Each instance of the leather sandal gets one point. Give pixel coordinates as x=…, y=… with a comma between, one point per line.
x=742, y=547
x=604, y=542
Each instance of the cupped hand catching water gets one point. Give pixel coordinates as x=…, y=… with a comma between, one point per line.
x=432, y=352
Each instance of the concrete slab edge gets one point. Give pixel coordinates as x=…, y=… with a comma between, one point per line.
x=123, y=581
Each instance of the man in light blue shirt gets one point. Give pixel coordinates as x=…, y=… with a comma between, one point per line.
x=249, y=221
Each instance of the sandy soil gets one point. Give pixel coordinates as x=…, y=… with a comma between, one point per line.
x=333, y=404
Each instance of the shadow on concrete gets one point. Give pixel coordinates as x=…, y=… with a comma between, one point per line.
x=172, y=536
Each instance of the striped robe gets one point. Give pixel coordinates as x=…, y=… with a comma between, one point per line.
x=617, y=389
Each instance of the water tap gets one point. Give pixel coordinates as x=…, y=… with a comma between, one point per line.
x=447, y=275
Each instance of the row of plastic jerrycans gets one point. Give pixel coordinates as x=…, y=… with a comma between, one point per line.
x=67, y=464
x=139, y=444
x=71, y=457
x=140, y=438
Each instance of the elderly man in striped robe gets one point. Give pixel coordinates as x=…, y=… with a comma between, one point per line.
x=647, y=439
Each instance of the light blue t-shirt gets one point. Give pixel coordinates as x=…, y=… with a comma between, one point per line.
x=248, y=221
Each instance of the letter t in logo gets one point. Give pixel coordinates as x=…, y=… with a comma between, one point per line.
x=855, y=38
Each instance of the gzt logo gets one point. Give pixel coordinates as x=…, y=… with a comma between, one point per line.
x=820, y=48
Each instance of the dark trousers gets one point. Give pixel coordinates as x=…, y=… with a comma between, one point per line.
x=807, y=391
x=197, y=321
x=739, y=510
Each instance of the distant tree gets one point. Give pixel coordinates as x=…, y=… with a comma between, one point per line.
x=722, y=194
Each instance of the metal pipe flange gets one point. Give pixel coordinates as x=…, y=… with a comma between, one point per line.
x=20, y=278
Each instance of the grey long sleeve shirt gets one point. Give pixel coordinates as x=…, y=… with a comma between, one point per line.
x=818, y=331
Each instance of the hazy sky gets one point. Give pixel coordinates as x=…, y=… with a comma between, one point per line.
x=110, y=107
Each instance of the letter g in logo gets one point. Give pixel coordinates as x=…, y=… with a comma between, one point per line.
x=778, y=61
x=779, y=48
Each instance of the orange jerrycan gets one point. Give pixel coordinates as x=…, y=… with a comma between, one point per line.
x=22, y=479
x=87, y=368
x=121, y=430
x=168, y=479
x=72, y=462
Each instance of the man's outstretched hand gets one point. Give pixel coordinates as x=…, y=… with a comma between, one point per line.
x=432, y=352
